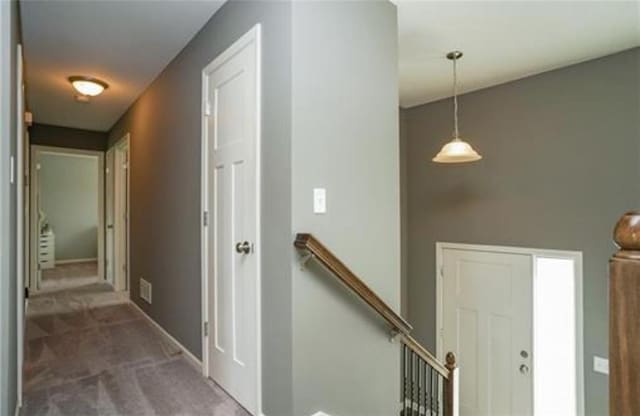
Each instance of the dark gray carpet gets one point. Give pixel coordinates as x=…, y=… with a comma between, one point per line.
x=111, y=361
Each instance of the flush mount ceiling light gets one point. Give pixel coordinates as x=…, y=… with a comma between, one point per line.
x=88, y=86
x=457, y=150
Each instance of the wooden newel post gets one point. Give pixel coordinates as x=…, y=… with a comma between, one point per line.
x=624, y=318
x=451, y=405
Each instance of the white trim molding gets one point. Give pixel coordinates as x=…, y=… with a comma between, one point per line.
x=20, y=220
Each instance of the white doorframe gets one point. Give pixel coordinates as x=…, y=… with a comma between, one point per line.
x=576, y=256
x=109, y=231
x=122, y=146
x=36, y=150
x=253, y=35
x=20, y=251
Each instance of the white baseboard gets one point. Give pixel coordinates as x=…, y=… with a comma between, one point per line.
x=194, y=360
x=69, y=261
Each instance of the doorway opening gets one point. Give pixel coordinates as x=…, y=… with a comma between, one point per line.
x=67, y=218
x=514, y=318
x=117, y=215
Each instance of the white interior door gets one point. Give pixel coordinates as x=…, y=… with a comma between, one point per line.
x=487, y=322
x=109, y=215
x=231, y=136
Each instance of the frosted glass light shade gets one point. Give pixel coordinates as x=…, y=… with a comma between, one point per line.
x=457, y=151
x=88, y=86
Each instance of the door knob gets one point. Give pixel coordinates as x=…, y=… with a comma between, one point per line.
x=243, y=247
x=524, y=369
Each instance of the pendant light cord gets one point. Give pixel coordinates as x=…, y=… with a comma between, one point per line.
x=455, y=98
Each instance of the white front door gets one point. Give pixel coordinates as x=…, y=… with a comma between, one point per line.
x=487, y=322
x=231, y=86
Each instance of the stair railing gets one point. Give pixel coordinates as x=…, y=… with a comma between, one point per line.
x=429, y=387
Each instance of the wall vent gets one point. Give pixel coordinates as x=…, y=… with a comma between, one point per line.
x=145, y=290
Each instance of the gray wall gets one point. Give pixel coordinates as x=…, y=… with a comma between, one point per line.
x=48, y=135
x=165, y=188
x=561, y=164
x=9, y=38
x=345, y=138
x=69, y=198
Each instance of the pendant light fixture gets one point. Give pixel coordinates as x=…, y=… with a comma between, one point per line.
x=457, y=150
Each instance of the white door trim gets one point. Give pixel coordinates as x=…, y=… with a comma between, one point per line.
x=123, y=143
x=253, y=35
x=36, y=150
x=20, y=252
x=576, y=256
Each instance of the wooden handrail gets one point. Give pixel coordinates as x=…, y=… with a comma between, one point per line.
x=330, y=261
x=448, y=371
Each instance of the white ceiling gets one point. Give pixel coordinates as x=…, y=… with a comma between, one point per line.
x=504, y=40
x=126, y=43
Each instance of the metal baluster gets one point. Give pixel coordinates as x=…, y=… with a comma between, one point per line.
x=427, y=402
x=438, y=394
x=416, y=397
x=445, y=394
x=434, y=392
x=413, y=381
x=429, y=383
x=423, y=366
x=411, y=359
x=404, y=379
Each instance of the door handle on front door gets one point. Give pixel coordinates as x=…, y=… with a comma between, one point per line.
x=243, y=247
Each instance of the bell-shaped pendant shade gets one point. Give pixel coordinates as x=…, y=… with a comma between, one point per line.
x=457, y=151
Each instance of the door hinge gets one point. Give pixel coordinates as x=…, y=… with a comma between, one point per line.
x=207, y=109
x=442, y=271
x=205, y=328
x=205, y=218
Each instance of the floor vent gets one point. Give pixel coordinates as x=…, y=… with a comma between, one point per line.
x=145, y=290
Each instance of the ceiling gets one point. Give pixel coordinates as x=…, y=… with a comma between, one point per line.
x=125, y=43
x=128, y=43
x=504, y=40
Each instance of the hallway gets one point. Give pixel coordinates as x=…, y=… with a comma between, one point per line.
x=94, y=354
x=70, y=275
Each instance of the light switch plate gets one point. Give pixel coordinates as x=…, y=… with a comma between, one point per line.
x=319, y=201
x=600, y=365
